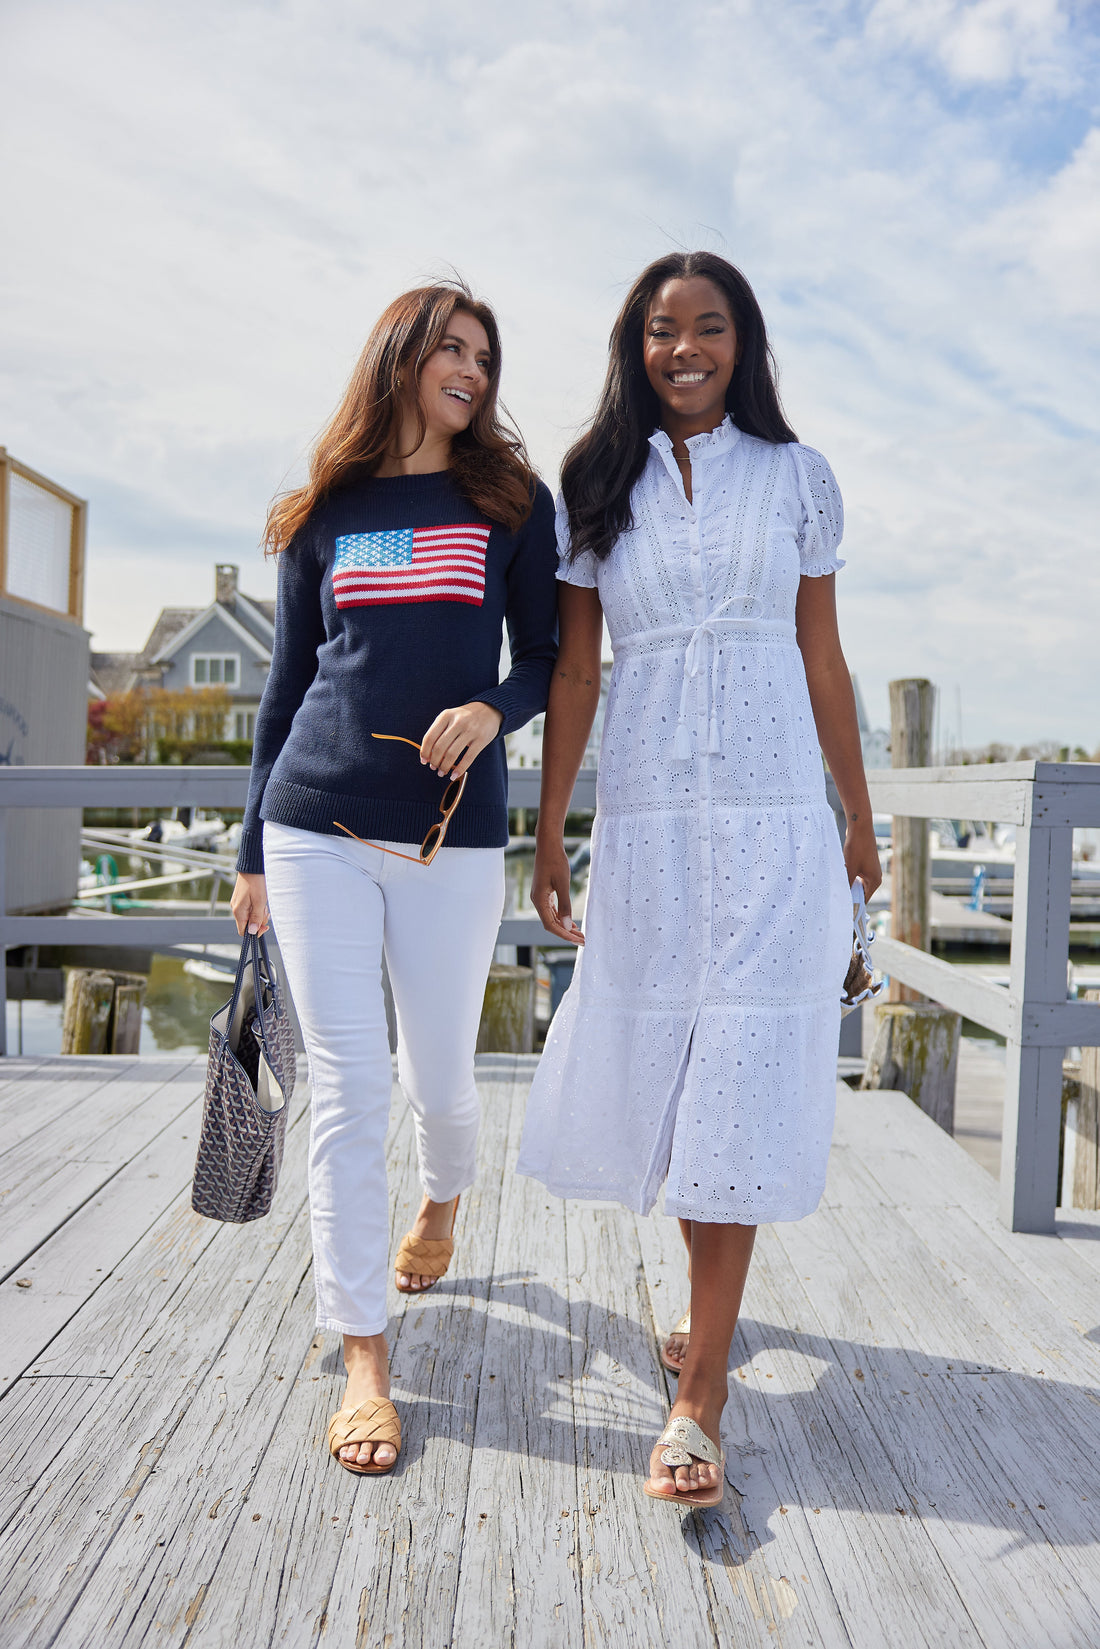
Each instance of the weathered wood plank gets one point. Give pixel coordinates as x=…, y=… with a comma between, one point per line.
x=637, y=1571
x=1033, y=1431
x=271, y=1579
x=150, y=1580
x=71, y=1266
x=36, y=1420
x=862, y=1518
x=764, y=1574
x=89, y=1124
x=35, y=1099
x=407, y=1580
x=89, y=1490
x=930, y=1417
x=523, y=1474
x=48, y=1176
x=104, y=1331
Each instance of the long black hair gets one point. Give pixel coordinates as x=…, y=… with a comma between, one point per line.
x=600, y=469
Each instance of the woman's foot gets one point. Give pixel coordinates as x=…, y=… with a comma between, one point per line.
x=367, y=1363
x=435, y=1222
x=700, y=1477
x=675, y=1348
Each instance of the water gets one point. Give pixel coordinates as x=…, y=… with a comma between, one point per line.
x=175, y=1019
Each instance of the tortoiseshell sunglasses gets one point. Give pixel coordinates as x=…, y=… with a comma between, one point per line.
x=433, y=841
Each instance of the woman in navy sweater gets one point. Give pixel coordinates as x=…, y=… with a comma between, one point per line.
x=377, y=809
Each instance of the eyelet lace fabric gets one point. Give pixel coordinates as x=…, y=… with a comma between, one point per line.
x=697, y=1043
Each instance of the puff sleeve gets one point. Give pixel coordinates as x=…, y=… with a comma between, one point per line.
x=822, y=513
x=582, y=570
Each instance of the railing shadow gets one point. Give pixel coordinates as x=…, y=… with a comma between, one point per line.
x=919, y=1417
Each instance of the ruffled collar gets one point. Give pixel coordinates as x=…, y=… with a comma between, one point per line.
x=709, y=444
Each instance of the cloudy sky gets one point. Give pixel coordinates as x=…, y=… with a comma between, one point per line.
x=205, y=206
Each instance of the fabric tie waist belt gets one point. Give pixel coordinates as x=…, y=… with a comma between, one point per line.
x=694, y=641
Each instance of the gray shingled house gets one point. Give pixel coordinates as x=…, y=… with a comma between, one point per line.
x=227, y=644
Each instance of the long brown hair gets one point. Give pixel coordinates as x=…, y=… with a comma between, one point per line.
x=488, y=460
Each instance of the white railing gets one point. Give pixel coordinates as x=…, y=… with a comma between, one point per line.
x=1045, y=801
x=165, y=787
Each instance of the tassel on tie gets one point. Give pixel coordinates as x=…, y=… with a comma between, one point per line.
x=681, y=749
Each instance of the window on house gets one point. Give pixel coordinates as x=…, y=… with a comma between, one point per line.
x=245, y=724
x=215, y=669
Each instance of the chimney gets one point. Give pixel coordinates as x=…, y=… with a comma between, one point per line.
x=225, y=583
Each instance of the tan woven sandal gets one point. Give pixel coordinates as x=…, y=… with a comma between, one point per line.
x=685, y=1440
x=375, y=1421
x=682, y=1327
x=424, y=1257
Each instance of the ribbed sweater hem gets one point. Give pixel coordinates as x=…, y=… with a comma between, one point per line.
x=382, y=819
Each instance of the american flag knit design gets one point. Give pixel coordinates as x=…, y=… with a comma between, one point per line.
x=411, y=564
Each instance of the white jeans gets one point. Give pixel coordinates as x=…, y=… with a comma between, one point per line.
x=335, y=904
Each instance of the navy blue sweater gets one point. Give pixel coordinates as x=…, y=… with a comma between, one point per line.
x=391, y=605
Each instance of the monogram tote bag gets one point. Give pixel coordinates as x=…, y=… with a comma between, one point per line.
x=249, y=1082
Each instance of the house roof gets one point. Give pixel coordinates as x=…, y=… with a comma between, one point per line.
x=114, y=673
x=250, y=620
x=200, y=616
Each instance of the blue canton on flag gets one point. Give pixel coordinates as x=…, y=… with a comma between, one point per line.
x=363, y=550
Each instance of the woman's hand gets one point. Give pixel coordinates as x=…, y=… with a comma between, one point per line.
x=550, y=892
x=861, y=855
x=456, y=737
x=249, y=904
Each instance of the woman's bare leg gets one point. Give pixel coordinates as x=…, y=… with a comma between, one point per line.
x=720, y=1256
x=676, y=1345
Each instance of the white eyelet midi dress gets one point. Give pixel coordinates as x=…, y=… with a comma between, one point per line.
x=697, y=1043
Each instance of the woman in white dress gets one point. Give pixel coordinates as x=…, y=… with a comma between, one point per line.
x=697, y=1044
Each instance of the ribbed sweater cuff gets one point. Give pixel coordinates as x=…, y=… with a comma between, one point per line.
x=381, y=819
x=511, y=705
x=250, y=853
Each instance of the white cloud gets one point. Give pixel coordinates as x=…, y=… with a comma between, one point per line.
x=210, y=206
x=976, y=40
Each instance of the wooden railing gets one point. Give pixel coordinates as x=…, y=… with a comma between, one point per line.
x=166, y=787
x=1045, y=801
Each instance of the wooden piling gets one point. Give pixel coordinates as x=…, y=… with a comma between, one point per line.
x=916, y=1051
x=912, y=706
x=508, y=1015
x=102, y=1011
x=89, y=996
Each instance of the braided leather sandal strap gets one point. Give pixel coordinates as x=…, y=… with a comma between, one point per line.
x=424, y=1256
x=685, y=1438
x=375, y=1421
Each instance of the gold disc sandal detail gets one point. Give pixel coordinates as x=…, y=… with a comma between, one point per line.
x=375, y=1421
x=684, y=1441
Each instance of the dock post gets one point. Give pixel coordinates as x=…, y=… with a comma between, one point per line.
x=912, y=706
x=1037, y=985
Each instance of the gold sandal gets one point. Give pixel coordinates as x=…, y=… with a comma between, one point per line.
x=685, y=1440
x=424, y=1257
x=375, y=1421
x=682, y=1327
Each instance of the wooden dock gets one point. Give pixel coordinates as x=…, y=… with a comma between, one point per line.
x=915, y=1398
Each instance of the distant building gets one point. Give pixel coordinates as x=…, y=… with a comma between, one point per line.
x=43, y=674
x=525, y=746
x=227, y=644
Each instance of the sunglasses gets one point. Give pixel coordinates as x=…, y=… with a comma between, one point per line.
x=433, y=841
